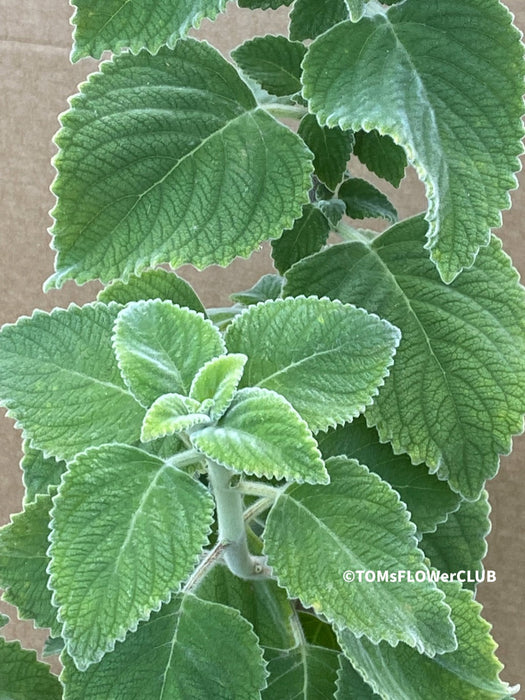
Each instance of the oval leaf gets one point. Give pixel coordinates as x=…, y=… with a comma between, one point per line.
x=456, y=392
x=217, y=381
x=171, y=413
x=168, y=158
x=328, y=359
x=430, y=75
x=126, y=530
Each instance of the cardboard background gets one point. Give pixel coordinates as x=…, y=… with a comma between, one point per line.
x=35, y=81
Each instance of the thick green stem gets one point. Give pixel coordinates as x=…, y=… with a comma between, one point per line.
x=232, y=530
x=184, y=459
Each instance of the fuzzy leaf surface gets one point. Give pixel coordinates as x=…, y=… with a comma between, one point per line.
x=470, y=673
x=153, y=284
x=60, y=381
x=331, y=149
x=272, y=61
x=171, y=413
x=306, y=672
x=23, y=563
x=455, y=395
x=135, y=24
x=23, y=677
x=355, y=523
x=191, y=648
x=39, y=472
x=263, y=4
x=160, y=347
x=262, y=434
x=218, y=381
x=331, y=372
x=381, y=155
x=168, y=159
x=409, y=72
x=459, y=544
x=363, y=200
x=126, y=530
x=428, y=499
x=350, y=684
x=307, y=22
x=266, y=288
x=307, y=236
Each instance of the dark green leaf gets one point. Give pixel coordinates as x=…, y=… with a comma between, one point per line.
x=456, y=393
x=308, y=19
x=350, y=684
x=331, y=149
x=22, y=677
x=168, y=158
x=39, y=472
x=363, y=200
x=272, y=61
x=268, y=287
x=304, y=673
x=308, y=236
x=381, y=155
x=263, y=4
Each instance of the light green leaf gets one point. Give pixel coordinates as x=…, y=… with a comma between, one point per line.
x=272, y=61
x=191, y=648
x=307, y=21
x=350, y=684
x=126, y=530
x=308, y=235
x=328, y=359
x=23, y=562
x=331, y=149
x=262, y=434
x=356, y=523
x=135, y=24
x=168, y=158
x=363, y=200
x=153, y=284
x=217, y=381
x=39, y=472
x=306, y=672
x=456, y=392
x=60, y=381
x=268, y=287
x=356, y=8
x=459, y=544
x=262, y=603
x=160, y=347
x=430, y=75
x=171, y=413
x=22, y=677
x=470, y=673
x=381, y=155
x=428, y=499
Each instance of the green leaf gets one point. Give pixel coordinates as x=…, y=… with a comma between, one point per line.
x=356, y=523
x=22, y=677
x=268, y=287
x=60, y=381
x=153, y=284
x=160, y=347
x=428, y=499
x=308, y=235
x=23, y=563
x=168, y=158
x=334, y=209
x=381, y=155
x=328, y=359
x=53, y=646
x=262, y=603
x=456, y=392
x=272, y=61
x=430, y=75
x=126, y=530
x=262, y=434
x=307, y=21
x=356, y=7
x=318, y=632
x=470, y=673
x=191, y=648
x=171, y=413
x=331, y=149
x=218, y=381
x=263, y=4
x=135, y=24
x=363, y=200
x=459, y=545
x=39, y=472
x=3, y=620
x=350, y=684
x=306, y=672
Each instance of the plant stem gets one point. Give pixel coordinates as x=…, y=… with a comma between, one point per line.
x=232, y=530
x=285, y=111
x=184, y=459
x=204, y=567
x=257, y=488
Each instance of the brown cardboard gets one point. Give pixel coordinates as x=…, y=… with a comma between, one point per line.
x=35, y=82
